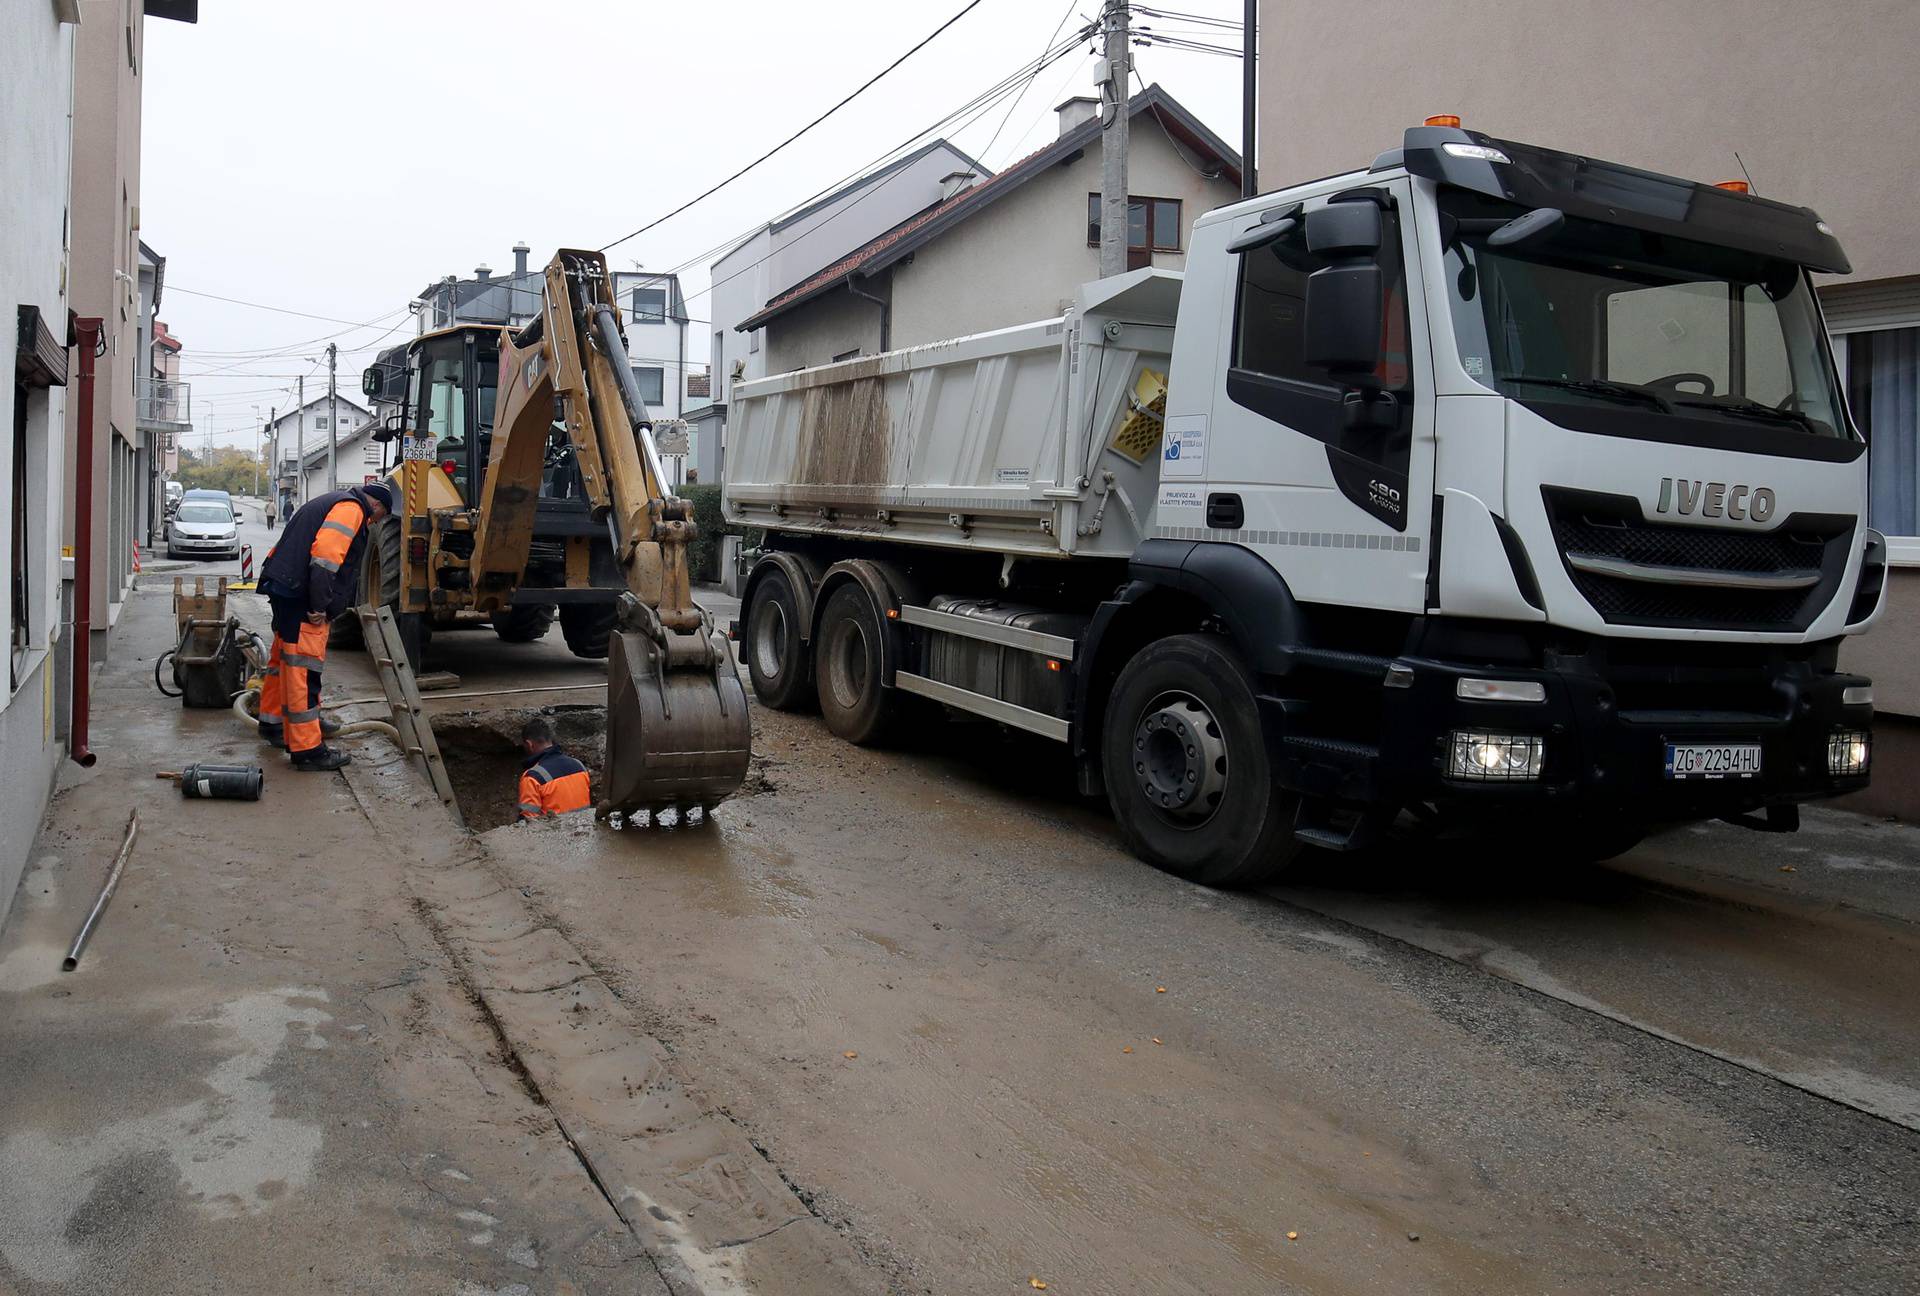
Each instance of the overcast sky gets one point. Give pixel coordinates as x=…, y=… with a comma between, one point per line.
x=334, y=159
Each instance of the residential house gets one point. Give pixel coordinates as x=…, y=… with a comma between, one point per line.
x=791, y=248
x=487, y=298
x=299, y=438
x=162, y=404
x=1576, y=76
x=1011, y=248
x=36, y=67
x=656, y=319
x=358, y=458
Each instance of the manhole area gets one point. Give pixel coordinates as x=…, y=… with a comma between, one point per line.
x=484, y=758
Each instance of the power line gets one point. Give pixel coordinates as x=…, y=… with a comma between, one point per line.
x=1057, y=28
x=970, y=6
x=282, y=310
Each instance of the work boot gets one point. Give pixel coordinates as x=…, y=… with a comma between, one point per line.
x=321, y=758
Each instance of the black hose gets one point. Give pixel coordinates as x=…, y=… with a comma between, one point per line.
x=158, y=662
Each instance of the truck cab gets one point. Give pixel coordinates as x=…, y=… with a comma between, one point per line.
x=1558, y=449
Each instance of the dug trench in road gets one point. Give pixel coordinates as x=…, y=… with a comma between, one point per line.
x=929, y=984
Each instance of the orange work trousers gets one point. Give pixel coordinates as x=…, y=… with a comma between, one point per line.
x=290, y=691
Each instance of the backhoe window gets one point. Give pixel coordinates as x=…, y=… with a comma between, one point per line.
x=443, y=413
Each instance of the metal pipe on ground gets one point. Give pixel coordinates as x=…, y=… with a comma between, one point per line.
x=100, y=903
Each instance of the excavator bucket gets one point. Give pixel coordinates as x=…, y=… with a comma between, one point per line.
x=677, y=735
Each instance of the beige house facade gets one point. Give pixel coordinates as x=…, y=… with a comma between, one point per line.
x=1010, y=249
x=1815, y=104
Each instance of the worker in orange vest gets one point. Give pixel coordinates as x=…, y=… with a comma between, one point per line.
x=553, y=783
x=309, y=579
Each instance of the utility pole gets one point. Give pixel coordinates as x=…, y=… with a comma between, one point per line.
x=300, y=435
x=1113, y=142
x=333, y=419
x=273, y=457
x=1249, y=55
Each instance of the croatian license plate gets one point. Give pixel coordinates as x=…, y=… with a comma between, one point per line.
x=1713, y=760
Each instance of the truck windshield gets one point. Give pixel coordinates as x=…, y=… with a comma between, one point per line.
x=1595, y=315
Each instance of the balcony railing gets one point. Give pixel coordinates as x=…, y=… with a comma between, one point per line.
x=157, y=400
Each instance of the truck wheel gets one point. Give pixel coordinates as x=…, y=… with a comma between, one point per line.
x=847, y=655
x=777, y=658
x=523, y=622
x=587, y=627
x=1186, y=766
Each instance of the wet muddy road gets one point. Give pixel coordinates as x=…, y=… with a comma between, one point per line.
x=970, y=1030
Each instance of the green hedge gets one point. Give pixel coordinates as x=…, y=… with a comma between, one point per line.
x=704, y=556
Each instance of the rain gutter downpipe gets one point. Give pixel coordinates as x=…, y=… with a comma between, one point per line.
x=87, y=333
x=886, y=314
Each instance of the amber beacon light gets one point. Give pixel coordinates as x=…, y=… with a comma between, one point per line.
x=1442, y=119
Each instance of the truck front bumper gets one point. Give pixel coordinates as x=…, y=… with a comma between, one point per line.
x=1606, y=730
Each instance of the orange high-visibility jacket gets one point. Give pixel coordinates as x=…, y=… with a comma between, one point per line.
x=554, y=784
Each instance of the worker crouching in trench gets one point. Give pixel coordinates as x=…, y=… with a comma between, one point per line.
x=308, y=579
x=552, y=782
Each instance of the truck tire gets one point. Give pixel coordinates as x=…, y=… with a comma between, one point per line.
x=1186, y=766
x=847, y=668
x=778, y=662
x=523, y=622
x=587, y=627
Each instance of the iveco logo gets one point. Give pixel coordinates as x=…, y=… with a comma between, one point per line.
x=1715, y=499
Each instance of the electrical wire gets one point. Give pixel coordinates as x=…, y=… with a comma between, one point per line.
x=1057, y=29
x=968, y=8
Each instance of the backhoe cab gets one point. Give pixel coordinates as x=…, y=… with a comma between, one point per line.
x=529, y=480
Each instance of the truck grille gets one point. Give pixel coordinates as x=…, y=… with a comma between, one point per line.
x=1594, y=529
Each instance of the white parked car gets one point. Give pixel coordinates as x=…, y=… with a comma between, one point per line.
x=204, y=526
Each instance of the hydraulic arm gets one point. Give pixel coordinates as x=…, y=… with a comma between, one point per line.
x=677, y=729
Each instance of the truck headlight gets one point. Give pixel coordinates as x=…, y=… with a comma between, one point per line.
x=1849, y=751
x=1495, y=757
x=1498, y=690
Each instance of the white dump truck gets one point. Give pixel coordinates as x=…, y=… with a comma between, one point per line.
x=1486, y=490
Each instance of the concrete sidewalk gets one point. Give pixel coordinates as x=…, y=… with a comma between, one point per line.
x=265, y=1075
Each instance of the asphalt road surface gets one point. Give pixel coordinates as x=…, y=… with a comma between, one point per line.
x=990, y=1046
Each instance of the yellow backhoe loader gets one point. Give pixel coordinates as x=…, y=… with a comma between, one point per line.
x=564, y=407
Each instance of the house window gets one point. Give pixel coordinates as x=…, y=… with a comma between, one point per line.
x=321, y=424
x=846, y=355
x=753, y=342
x=1153, y=225
x=1883, y=391
x=649, y=305
x=652, y=381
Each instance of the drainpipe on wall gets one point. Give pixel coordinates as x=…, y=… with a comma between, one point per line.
x=886, y=314
x=87, y=331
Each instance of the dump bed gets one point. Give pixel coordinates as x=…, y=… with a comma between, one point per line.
x=1041, y=440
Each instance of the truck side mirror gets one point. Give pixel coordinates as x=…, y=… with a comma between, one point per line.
x=1342, y=329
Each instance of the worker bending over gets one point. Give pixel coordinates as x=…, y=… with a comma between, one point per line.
x=553, y=783
x=309, y=579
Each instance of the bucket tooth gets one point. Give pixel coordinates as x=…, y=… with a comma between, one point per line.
x=675, y=737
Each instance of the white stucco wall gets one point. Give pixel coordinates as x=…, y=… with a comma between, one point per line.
x=785, y=252
x=1023, y=257
x=36, y=83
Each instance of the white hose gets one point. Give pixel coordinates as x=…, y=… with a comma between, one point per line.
x=354, y=730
